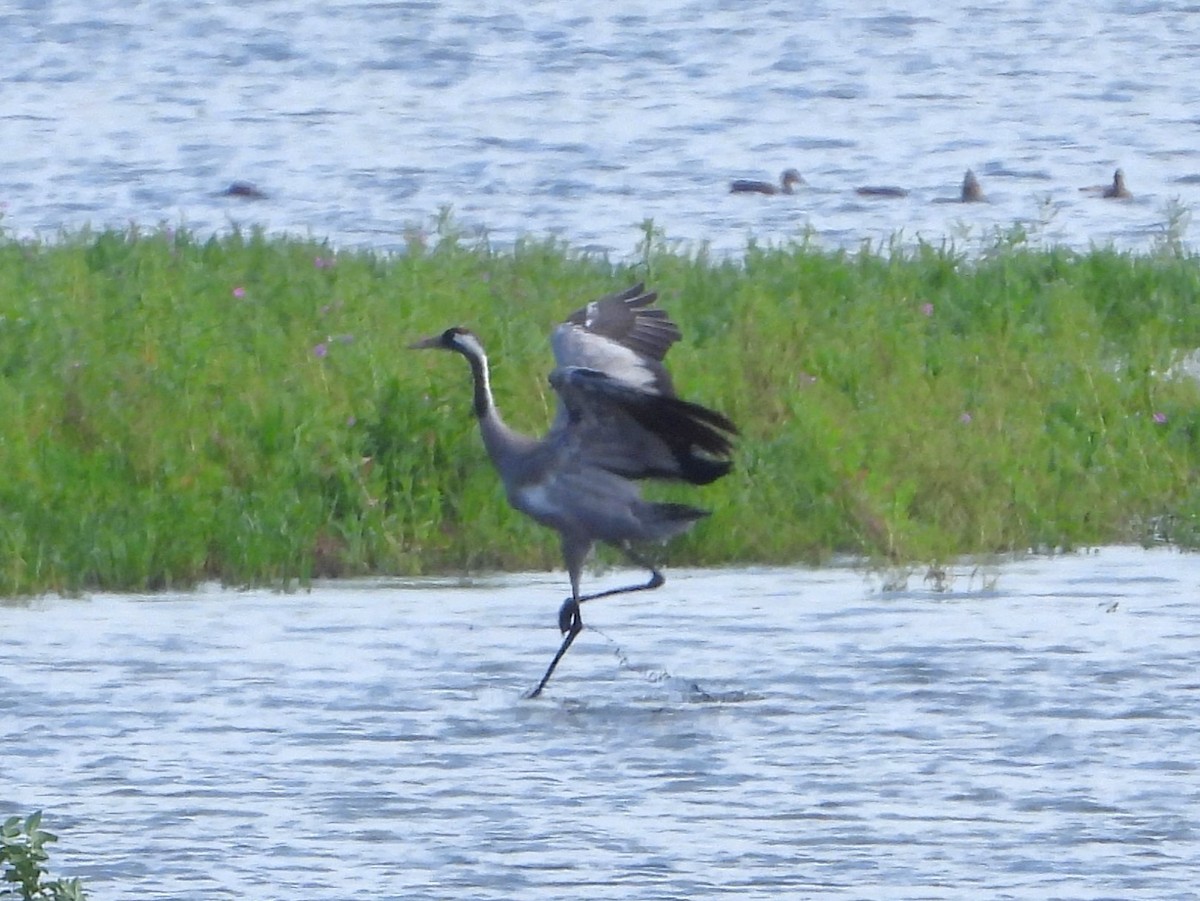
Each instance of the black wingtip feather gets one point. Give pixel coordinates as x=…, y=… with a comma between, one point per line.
x=703, y=470
x=699, y=438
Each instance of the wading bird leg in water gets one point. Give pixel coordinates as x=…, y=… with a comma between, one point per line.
x=575, y=550
x=574, y=628
x=570, y=620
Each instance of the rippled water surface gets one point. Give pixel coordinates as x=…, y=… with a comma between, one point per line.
x=580, y=120
x=1029, y=732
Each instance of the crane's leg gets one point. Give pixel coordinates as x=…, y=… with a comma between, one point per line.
x=656, y=577
x=574, y=629
x=570, y=620
x=570, y=623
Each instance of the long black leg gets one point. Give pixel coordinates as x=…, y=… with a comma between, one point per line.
x=656, y=578
x=575, y=628
x=570, y=621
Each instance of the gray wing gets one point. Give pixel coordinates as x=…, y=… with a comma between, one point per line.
x=638, y=434
x=617, y=407
x=621, y=335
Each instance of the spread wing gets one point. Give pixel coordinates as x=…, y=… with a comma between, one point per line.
x=617, y=407
x=621, y=335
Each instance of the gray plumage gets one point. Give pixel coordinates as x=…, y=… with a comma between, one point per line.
x=618, y=421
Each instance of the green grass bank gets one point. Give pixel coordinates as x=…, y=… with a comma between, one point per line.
x=242, y=408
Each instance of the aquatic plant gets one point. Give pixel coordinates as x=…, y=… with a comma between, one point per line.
x=180, y=409
x=23, y=856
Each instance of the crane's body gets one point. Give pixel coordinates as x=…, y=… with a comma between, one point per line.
x=618, y=421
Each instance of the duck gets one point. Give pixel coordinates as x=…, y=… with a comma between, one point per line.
x=881, y=191
x=972, y=191
x=1115, y=191
x=787, y=182
x=245, y=190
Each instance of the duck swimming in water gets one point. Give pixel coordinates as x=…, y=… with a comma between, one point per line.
x=787, y=182
x=1115, y=191
x=881, y=191
x=972, y=191
x=244, y=189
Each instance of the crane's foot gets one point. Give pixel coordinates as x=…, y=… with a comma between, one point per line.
x=569, y=617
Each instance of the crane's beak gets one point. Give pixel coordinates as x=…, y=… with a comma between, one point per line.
x=435, y=341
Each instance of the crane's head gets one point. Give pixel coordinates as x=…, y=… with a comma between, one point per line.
x=458, y=339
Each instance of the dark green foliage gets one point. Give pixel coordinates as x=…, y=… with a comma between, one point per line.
x=23, y=856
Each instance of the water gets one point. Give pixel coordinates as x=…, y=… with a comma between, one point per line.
x=1027, y=733
x=578, y=120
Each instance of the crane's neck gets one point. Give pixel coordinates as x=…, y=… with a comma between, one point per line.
x=485, y=405
x=503, y=444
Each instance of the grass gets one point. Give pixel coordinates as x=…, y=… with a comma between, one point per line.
x=242, y=408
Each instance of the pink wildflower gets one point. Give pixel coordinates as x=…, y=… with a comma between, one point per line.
x=1160, y=418
x=927, y=309
x=239, y=292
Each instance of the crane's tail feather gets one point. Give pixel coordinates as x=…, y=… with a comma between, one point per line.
x=699, y=440
x=666, y=520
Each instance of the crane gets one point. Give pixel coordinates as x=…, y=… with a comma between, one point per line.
x=618, y=421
